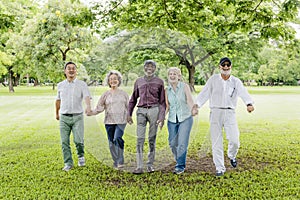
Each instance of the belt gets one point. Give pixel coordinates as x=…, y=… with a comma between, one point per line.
x=226, y=108
x=71, y=115
x=150, y=106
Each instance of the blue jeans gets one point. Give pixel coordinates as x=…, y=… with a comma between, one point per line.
x=115, y=133
x=179, y=134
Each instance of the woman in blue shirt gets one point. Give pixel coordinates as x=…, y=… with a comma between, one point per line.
x=180, y=106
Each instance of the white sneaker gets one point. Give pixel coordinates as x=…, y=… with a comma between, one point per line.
x=81, y=161
x=67, y=168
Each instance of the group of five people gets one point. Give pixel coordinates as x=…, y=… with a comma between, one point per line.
x=153, y=102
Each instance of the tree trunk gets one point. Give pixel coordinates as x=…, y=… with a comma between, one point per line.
x=53, y=86
x=10, y=81
x=191, y=70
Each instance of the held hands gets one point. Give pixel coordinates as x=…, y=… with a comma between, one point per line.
x=195, y=110
x=250, y=108
x=88, y=111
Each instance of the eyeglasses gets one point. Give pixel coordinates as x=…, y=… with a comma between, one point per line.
x=228, y=65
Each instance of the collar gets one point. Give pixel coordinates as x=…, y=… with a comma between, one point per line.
x=73, y=81
x=229, y=79
x=170, y=86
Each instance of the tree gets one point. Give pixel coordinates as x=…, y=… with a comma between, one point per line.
x=216, y=25
x=12, y=17
x=58, y=33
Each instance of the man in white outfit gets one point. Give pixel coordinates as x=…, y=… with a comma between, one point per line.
x=222, y=91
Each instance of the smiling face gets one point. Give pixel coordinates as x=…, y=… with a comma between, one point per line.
x=70, y=71
x=225, y=68
x=113, y=81
x=174, y=75
x=149, y=69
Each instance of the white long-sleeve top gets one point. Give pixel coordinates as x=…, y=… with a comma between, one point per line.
x=223, y=93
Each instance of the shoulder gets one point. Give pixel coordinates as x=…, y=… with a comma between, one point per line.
x=236, y=79
x=81, y=82
x=61, y=83
x=158, y=80
x=214, y=77
x=122, y=92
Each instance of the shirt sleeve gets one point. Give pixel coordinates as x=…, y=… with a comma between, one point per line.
x=101, y=104
x=204, y=94
x=133, y=99
x=243, y=93
x=58, y=91
x=162, y=103
x=86, y=91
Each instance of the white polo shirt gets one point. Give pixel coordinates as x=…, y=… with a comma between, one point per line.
x=71, y=95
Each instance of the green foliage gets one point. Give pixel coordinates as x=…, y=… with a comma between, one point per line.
x=58, y=33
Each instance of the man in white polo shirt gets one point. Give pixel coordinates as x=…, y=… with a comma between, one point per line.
x=222, y=91
x=69, y=112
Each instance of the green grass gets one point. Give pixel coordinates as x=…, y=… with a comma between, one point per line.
x=31, y=159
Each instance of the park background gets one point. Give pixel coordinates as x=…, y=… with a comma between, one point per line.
x=38, y=37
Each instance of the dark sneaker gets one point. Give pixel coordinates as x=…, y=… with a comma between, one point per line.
x=233, y=163
x=150, y=169
x=67, y=168
x=218, y=174
x=178, y=171
x=138, y=171
x=81, y=161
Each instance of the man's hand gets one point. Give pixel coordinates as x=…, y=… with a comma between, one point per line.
x=250, y=108
x=57, y=117
x=88, y=111
x=160, y=123
x=129, y=120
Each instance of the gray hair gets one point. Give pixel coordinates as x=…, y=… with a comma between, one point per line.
x=115, y=72
x=152, y=62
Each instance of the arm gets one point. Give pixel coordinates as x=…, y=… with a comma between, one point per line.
x=132, y=102
x=100, y=105
x=57, y=107
x=88, y=104
x=189, y=98
x=167, y=102
x=245, y=96
x=188, y=95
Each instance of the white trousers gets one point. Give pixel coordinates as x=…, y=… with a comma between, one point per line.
x=220, y=118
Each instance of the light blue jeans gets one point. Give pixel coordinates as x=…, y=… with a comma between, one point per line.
x=179, y=134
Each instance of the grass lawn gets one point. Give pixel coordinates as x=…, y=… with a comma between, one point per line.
x=31, y=158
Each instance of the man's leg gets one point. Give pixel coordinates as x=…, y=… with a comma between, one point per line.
x=78, y=133
x=141, y=130
x=152, y=117
x=65, y=131
x=216, y=124
x=232, y=134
